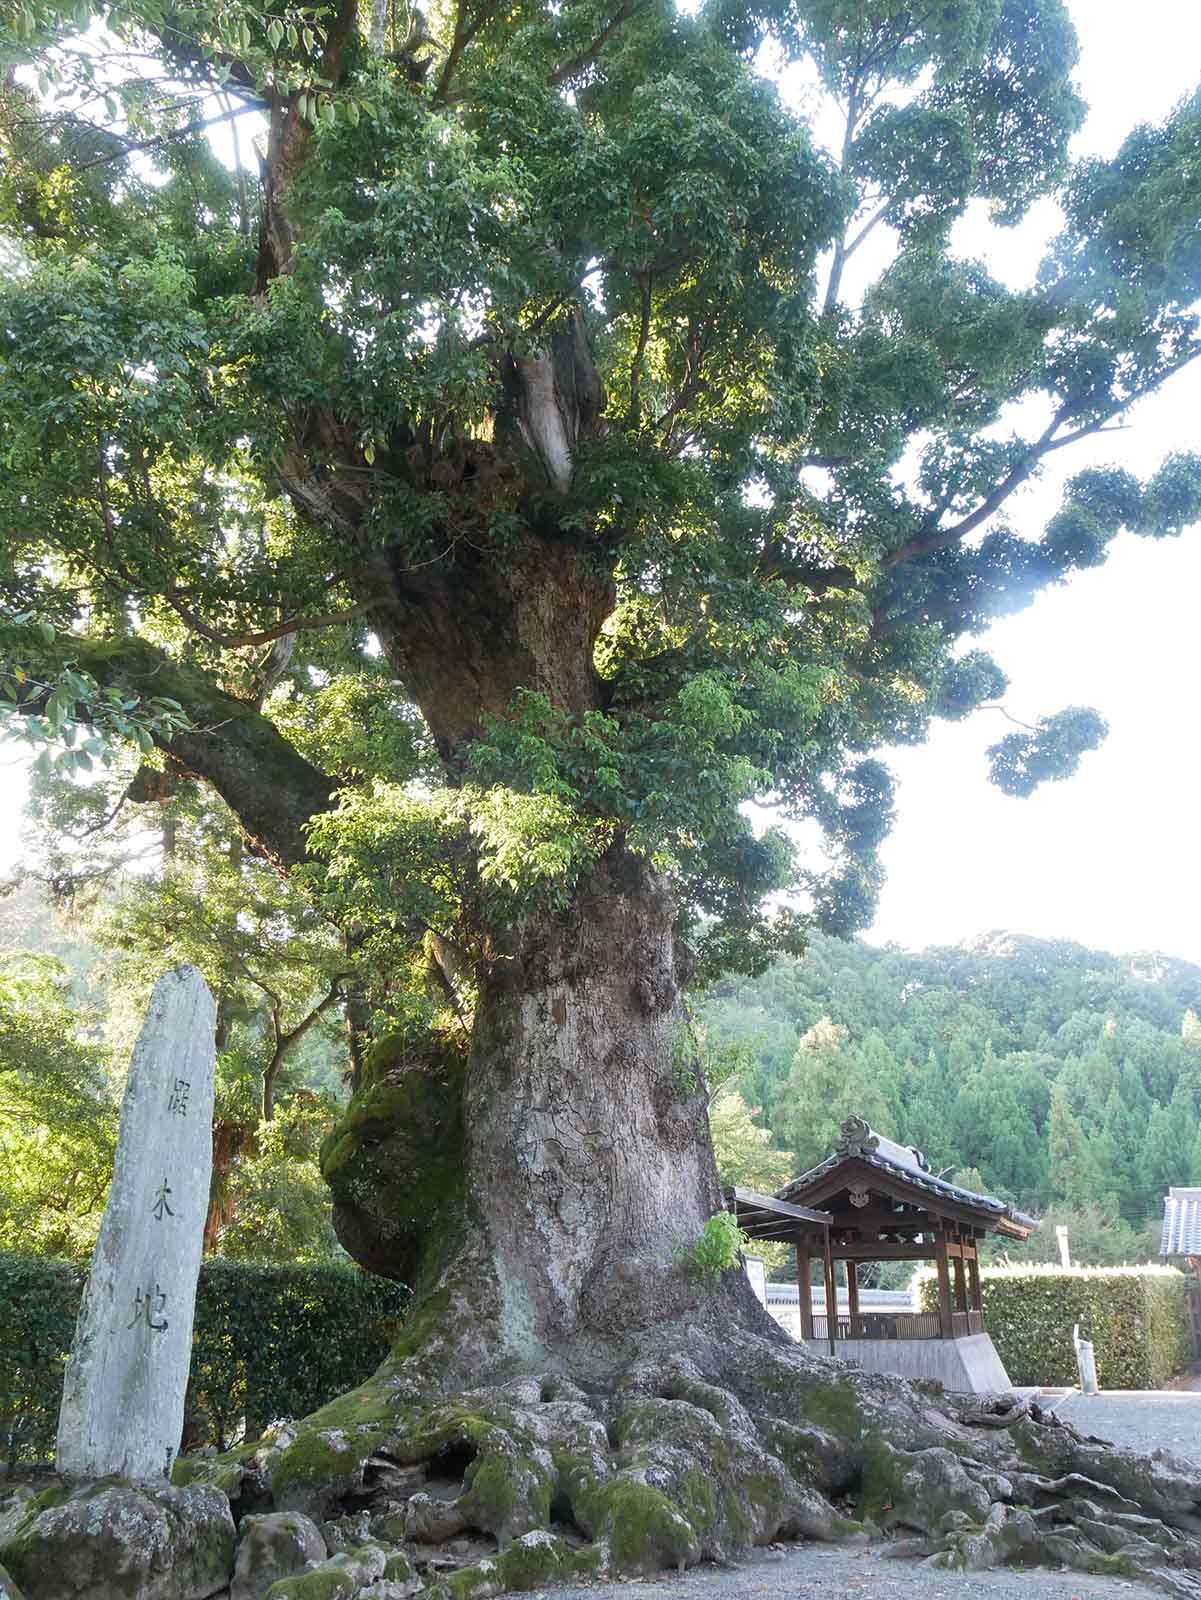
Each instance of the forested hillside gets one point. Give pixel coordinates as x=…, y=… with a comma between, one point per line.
x=1065, y=1078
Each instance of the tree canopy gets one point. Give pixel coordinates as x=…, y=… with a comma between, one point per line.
x=58, y=1117
x=486, y=476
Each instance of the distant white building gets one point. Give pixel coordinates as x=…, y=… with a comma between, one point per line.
x=1181, y=1242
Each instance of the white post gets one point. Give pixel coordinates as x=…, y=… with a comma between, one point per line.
x=1086, y=1366
x=1065, y=1259
x=127, y=1374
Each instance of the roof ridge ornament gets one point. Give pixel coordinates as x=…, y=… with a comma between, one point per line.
x=856, y=1138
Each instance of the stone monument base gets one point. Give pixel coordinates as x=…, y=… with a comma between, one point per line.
x=963, y=1366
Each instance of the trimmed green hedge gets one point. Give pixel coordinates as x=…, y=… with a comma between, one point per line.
x=267, y=1342
x=1136, y=1318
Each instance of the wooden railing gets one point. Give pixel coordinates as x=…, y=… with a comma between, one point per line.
x=898, y=1325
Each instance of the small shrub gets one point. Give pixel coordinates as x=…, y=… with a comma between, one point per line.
x=718, y=1248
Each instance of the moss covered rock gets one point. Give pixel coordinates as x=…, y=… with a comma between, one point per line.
x=118, y=1541
x=273, y=1546
x=16, y=1505
x=535, y=1559
x=394, y=1161
x=340, y=1578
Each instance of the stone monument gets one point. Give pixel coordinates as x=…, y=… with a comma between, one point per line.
x=127, y=1374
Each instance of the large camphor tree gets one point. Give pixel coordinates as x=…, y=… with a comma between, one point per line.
x=445, y=435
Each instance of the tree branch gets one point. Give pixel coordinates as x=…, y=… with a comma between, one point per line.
x=938, y=538
x=876, y=216
x=644, y=290
x=464, y=33
x=281, y=629
x=840, y=244
x=285, y=1039
x=587, y=56
x=198, y=125
x=302, y=1027
x=267, y=784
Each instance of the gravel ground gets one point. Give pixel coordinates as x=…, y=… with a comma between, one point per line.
x=830, y=1572
x=1141, y=1419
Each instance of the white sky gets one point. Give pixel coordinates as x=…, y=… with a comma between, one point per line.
x=1110, y=858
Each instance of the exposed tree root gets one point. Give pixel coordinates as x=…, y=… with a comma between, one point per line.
x=699, y=1448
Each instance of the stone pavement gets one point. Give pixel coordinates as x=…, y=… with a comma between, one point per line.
x=1140, y=1419
x=839, y=1572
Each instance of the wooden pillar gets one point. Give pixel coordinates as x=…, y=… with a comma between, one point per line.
x=853, y=1298
x=804, y=1284
x=946, y=1325
x=960, y=1284
x=831, y=1292
x=973, y=1278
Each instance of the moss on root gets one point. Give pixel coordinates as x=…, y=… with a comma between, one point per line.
x=535, y=1559
x=224, y=1472
x=879, y=1483
x=832, y=1404
x=371, y=1404
x=507, y=1495
x=422, y=1324
x=644, y=1531
x=319, y=1465
x=322, y=1583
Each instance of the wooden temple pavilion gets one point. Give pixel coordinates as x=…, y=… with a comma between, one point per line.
x=875, y=1200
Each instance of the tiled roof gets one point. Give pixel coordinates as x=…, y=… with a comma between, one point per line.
x=1181, y=1223
x=864, y=1144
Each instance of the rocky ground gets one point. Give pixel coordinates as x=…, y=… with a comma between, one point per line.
x=285, y=1556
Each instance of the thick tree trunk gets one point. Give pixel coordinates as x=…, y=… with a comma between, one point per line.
x=549, y=1182
x=589, y=1164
